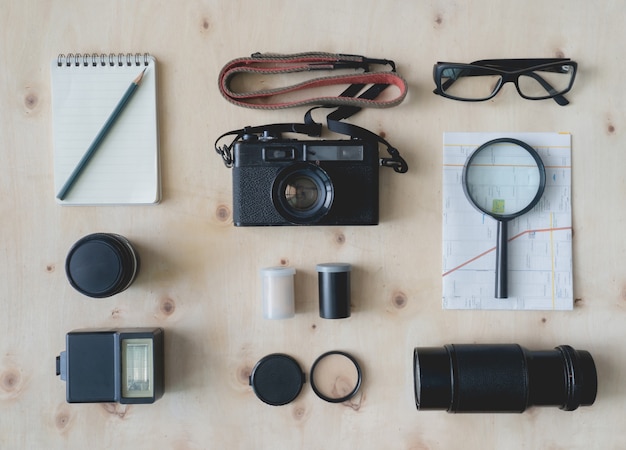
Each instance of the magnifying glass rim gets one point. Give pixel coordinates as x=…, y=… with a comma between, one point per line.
x=346, y=397
x=540, y=188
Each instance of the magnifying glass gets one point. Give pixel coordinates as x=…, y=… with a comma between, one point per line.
x=504, y=178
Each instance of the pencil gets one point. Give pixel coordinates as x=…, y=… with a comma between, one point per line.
x=101, y=135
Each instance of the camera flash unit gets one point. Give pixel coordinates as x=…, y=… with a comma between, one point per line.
x=125, y=365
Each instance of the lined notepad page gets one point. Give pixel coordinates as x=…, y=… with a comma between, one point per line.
x=125, y=168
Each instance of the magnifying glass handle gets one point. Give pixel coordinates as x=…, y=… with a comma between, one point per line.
x=501, y=260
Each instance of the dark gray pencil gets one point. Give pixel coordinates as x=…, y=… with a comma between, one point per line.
x=101, y=135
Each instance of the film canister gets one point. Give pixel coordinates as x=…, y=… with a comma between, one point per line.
x=101, y=265
x=278, y=292
x=334, y=290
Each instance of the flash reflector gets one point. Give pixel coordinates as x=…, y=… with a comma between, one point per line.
x=125, y=365
x=137, y=368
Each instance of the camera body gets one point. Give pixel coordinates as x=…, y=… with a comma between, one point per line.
x=280, y=181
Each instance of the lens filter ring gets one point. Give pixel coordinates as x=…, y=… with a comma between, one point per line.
x=335, y=376
x=302, y=193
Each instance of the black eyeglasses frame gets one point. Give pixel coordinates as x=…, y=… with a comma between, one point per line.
x=509, y=70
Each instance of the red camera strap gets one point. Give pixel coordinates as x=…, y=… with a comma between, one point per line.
x=274, y=64
x=360, y=90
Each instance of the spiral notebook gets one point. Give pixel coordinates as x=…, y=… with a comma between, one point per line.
x=125, y=167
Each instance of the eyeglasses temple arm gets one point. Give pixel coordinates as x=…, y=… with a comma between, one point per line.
x=518, y=64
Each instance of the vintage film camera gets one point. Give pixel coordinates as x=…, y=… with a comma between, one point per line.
x=280, y=181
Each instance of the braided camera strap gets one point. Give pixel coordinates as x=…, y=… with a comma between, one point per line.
x=269, y=64
x=347, y=102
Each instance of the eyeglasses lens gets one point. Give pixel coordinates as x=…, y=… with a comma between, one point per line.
x=469, y=83
x=547, y=81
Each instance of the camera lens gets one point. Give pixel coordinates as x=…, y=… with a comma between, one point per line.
x=101, y=265
x=502, y=378
x=302, y=193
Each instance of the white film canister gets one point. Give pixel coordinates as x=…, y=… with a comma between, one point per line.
x=278, y=292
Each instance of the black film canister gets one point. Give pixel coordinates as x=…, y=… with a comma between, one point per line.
x=101, y=265
x=334, y=290
x=502, y=378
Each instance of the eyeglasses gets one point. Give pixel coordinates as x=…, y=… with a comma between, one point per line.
x=535, y=79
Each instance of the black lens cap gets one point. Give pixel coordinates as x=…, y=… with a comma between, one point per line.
x=277, y=379
x=101, y=265
x=94, y=266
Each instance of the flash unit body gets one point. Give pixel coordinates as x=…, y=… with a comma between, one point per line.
x=113, y=365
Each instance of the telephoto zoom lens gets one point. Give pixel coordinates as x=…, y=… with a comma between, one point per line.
x=502, y=378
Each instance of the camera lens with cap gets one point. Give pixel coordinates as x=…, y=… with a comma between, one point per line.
x=277, y=379
x=101, y=265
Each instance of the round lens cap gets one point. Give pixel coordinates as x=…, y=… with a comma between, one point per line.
x=94, y=266
x=277, y=379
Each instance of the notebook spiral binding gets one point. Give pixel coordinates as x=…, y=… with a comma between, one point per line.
x=95, y=59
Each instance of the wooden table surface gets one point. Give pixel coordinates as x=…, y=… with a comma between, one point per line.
x=199, y=276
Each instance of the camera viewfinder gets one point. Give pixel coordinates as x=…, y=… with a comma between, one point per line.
x=334, y=153
x=279, y=153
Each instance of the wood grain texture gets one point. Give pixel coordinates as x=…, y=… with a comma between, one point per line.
x=199, y=276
